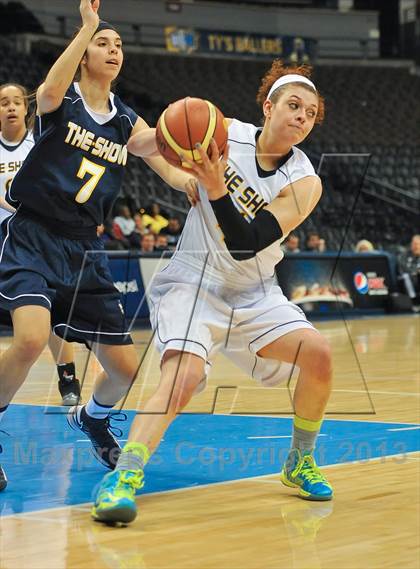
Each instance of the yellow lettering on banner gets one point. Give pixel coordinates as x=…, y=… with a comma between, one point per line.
x=220, y=42
x=216, y=42
x=239, y=45
x=249, y=44
x=229, y=43
x=212, y=41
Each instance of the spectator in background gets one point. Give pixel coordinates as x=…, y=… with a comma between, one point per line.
x=153, y=219
x=148, y=243
x=161, y=243
x=112, y=237
x=139, y=228
x=314, y=243
x=125, y=220
x=364, y=246
x=172, y=231
x=291, y=244
x=409, y=269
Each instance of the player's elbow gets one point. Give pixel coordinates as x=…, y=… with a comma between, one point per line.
x=49, y=97
x=133, y=147
x=143, y=143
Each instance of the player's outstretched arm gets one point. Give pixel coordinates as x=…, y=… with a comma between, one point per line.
x=142, y=143
x=293, y=205
x=51, y=93
x=295, y=202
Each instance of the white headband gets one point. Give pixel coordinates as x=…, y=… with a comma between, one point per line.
x=290, y=78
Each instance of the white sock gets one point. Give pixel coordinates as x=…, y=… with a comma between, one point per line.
x=96, y=410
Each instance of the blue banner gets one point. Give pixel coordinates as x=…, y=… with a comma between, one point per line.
x=128, y=280
x=291, y=48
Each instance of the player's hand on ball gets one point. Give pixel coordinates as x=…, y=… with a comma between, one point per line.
x=89, y=12
x=210, y=172
x=191, y=190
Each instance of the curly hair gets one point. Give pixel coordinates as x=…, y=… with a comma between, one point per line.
x=279, y=69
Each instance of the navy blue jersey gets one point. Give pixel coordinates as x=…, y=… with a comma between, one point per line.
x=75, y=170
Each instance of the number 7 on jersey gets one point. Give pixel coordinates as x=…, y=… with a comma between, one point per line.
x=96, y=171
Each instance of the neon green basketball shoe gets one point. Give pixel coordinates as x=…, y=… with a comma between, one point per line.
x=115, y=500
x=300, y=471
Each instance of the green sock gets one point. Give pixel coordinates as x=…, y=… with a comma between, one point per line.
x=305, y=433
x=134, y=456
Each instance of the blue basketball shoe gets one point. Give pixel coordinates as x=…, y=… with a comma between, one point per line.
x=300, y=471
x=116, y=497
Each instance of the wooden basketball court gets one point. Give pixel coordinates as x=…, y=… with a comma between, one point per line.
x=249, y=523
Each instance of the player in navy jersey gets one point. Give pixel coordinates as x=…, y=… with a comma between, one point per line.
x=53, y=270
x=16, y=141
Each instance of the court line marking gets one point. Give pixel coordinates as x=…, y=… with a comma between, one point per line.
x=405, y=428
x=283, y=436
x=84, y=507
x=416, y=393
x=272, y=436
x=271, y=416
x=326, y=418
x=269, y=481
x=398, y=393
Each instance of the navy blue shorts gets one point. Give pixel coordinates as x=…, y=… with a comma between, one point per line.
x=71, y=278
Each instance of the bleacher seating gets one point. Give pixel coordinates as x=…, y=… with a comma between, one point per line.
x=369, y=110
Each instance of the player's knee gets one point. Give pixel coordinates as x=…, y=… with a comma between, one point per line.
x=128, y=373
x=29, y=347
x=320, y=360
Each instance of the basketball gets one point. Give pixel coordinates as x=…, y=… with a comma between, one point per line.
x=184, y=124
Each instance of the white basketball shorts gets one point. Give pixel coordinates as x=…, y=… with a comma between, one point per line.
x=204, y=319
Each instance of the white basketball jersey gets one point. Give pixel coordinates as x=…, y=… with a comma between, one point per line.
x=202, y=246
x=11, y=159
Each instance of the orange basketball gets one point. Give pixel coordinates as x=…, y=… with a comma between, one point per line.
x=184, y=124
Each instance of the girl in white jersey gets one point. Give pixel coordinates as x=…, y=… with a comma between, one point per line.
x=219, y=293
x=16, y=141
